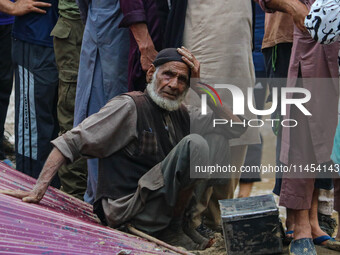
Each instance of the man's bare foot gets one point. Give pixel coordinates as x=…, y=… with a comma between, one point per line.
x=290, y=224
x=317, y=232
x=245, y=189
x=290, y=233
x=302, y=231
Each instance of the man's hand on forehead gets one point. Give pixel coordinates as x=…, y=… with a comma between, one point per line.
x=191, y=61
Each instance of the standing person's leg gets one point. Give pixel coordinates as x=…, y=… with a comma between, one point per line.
x=96, y=101
x=225, y=191
x=106, y=44
x=6, y=78
x=254, y=151
x=319, y=236
x=296, y=196
x=277, y=60
x=67, y=41
x=297, y=188
x=36, y=90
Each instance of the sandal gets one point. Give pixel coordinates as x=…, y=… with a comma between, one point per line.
x=319, y=240
x=302, y=246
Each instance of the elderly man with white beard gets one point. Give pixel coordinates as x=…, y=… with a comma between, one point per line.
x=145, y=149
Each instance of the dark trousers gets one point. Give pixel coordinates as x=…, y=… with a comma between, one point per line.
x=36, y=94
x=6, y=78
x=277, y=60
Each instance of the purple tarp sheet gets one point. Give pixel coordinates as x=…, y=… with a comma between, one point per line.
x=60, y=224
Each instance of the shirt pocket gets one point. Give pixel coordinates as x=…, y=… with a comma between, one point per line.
x=148, y=143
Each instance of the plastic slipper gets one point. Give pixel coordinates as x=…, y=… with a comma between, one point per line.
x=302, y=246
x=333, y=244
x=8, y=162
x=319, y=240
x=287, y=239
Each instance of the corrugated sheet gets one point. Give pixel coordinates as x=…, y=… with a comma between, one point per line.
x=60, y=224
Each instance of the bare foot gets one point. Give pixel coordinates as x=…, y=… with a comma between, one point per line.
x=290, y=224
x=245, y=189
x=302, y=231
x=317, y=232
x=290, y=232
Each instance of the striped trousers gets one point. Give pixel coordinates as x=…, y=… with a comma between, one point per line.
x=36, y=92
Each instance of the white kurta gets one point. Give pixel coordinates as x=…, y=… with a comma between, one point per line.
x=219, y=34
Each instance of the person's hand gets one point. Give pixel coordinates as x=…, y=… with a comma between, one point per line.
x=148, y=55
x=191, y=61
x=33, y=196
x=54, y=161
x=22, y=7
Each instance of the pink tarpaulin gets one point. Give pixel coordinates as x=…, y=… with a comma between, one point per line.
x=60, y=224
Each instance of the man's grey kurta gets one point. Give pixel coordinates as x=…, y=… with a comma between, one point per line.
x=114, y=128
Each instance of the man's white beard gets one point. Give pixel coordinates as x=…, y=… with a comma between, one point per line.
x=164, y=103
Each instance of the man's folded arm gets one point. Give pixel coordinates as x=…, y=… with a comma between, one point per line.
x=295, y=8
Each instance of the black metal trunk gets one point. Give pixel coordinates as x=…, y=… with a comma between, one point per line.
x=251, y=225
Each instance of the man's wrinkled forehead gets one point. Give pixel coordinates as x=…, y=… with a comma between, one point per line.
x=175, y=68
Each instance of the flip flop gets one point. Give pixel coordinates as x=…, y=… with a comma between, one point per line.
x=333, y=244
x=8, y=162
x=288, y=239
x=319, y=240
x=302, y=246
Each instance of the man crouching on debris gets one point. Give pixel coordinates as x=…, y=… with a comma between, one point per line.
x=144, y=144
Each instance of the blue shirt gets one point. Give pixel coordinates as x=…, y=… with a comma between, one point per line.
x=35, y=28
x=6, y=19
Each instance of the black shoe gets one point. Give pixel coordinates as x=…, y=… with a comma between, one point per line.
x=327, y=223
x=205, y=231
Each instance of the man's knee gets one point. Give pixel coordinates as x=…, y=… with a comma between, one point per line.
x=198, y=146
x=192, y=150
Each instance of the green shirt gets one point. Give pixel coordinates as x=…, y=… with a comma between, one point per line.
x=69, y=9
